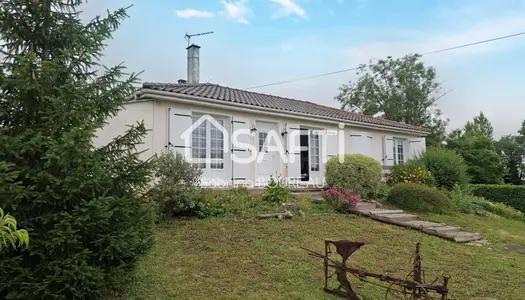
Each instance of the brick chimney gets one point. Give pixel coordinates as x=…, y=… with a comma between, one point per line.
x=193, y=64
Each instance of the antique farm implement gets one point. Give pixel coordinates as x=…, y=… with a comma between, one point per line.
x=409, y=288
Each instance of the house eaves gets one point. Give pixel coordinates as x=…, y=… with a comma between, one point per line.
x=155, y=94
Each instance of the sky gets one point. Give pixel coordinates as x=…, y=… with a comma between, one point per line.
x=257, y=42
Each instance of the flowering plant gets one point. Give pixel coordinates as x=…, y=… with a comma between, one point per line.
x=341, y=199
x=410, y=173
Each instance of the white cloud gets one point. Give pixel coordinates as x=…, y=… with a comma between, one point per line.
x=193, y=13
x=236, y=10
x=288, y=7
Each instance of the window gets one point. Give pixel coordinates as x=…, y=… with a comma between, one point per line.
x=203, y=147
x=314, y=151
x=198, y=144
x=263, y=147
x=217, y=147
x=399, y=151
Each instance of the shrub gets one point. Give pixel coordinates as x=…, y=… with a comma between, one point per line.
x=410, y=172
x=463, y=201
x=446, y=166
x=176, y=190
x=419, y=197
x=341, y=199
x=506, y=211
x=382, y=191
x=304, y=202
x=359, y=173
x=277, y=191
x=209, y=203
x=512, y=195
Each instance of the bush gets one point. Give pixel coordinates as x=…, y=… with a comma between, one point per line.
x=463, y=201
x=421, y=198
x=237, y=201
x=446, y=166
x=382, y=191
x=512, y=195
x=506, y=211
x=304, y=202
x=359, y=173
x=341, y=199
x=410, y=172
x=176, y=190
x=276, y=192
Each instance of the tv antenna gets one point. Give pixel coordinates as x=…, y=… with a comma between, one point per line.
x=189, y=36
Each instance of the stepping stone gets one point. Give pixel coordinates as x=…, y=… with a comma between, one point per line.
x=442, y=229
x=463, y=236
x=423, y=224
x=317, y=200
x=395, y=217
x=385, y=211
x=361, y=206
x=479, y=243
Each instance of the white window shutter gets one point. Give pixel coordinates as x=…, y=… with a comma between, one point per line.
x=241, y=171
x=332, y=143
x=356, y=142
x=388, y=150
x=416, y=147
x=179, y=131
x=293, y=141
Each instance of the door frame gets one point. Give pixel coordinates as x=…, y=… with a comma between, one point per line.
x=279, y=163
x=319, y=174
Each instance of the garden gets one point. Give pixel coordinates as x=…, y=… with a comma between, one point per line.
x=86, y=221
x=212, y=242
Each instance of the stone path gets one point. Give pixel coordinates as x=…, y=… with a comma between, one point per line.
x=400, y=218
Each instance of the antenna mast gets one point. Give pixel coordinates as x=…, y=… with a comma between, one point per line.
x=189, y=36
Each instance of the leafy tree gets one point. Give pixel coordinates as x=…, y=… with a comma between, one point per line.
x=10, y=236
x=511, y=152
x=402, y=90
x=80, y=204
x=475, y=144
x=480, y=125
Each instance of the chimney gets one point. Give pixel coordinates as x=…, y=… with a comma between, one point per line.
x=193, y=64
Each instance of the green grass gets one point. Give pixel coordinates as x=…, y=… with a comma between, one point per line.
x=245, y=258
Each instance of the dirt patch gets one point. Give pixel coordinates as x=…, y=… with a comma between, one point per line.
x=514, y=249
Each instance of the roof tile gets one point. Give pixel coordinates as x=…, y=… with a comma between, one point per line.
x=227, y=94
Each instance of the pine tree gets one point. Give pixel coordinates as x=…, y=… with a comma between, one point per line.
x=81, y=205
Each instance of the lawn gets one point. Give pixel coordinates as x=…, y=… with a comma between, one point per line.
x=245, y=258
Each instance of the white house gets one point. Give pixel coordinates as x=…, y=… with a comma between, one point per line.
x=202, y=121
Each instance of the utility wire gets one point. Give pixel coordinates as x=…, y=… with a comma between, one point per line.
x=356, y=68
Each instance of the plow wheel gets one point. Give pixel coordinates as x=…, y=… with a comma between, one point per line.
x=395, y=292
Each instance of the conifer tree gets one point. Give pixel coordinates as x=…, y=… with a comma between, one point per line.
x=81, y=205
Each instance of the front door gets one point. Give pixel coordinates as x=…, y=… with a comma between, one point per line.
x=267, y=161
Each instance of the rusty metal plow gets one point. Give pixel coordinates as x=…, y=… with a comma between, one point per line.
x=410, y=288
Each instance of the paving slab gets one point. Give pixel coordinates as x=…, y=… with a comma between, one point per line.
x=445, y=228
x=417, y=224
x=396, y=217
x=463, y=236
x=381, y=211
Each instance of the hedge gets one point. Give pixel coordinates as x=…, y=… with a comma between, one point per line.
x=419, y=197
x=512, y=195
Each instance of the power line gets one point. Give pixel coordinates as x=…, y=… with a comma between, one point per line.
x=356, y=68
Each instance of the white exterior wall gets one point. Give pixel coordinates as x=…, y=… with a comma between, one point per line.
x=156, y=117
x=130, y=115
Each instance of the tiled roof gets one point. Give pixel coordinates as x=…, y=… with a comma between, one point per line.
x=231, y=95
